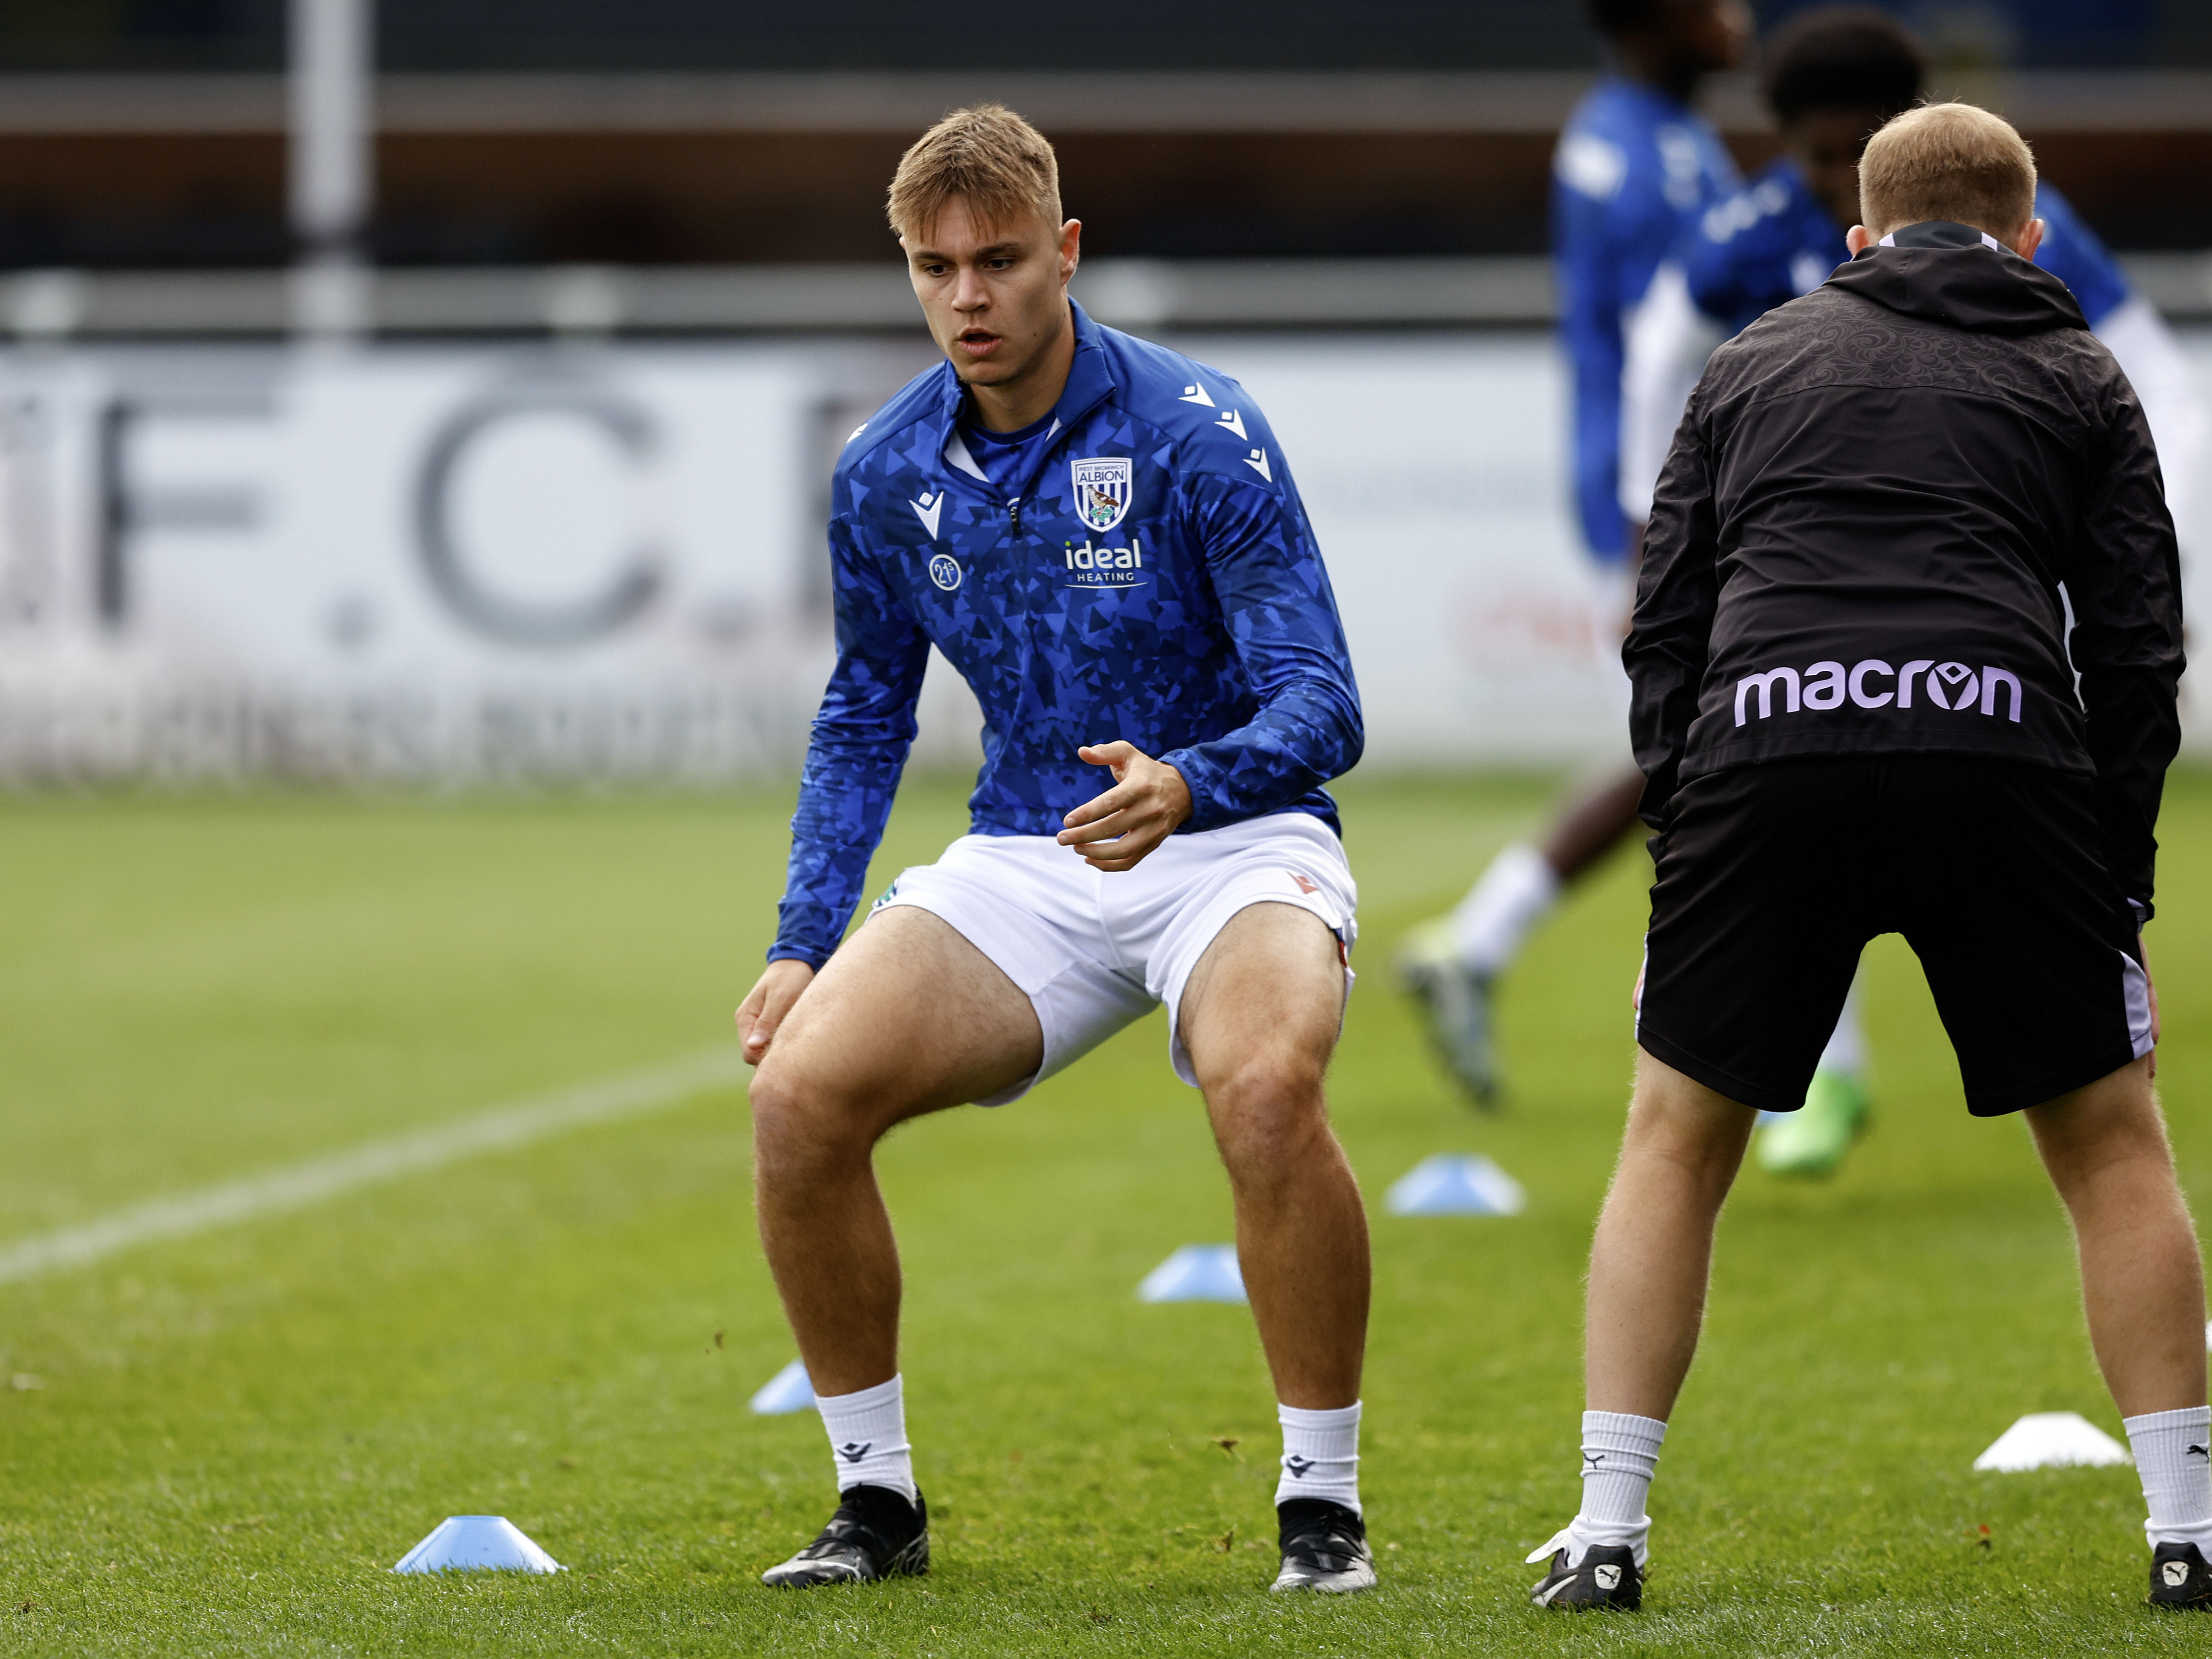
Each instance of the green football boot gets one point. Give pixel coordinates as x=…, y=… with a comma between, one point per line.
x=1812, y=1140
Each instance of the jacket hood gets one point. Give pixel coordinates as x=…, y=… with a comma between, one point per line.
x=1953, y=275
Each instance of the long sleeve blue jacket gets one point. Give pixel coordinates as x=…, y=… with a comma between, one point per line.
x=1150, y=576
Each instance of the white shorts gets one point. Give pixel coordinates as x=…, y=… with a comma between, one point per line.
x=1095, y=951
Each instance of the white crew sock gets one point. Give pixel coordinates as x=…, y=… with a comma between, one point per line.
x=1321, y=1455
x=1513, y=895
x=867, y=1437
x=1620, y=1455
x=2173, y=1458
x=1846, y=1049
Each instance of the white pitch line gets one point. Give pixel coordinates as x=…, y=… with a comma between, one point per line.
x=300, y=1185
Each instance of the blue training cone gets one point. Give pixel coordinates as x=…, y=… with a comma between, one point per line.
x=1196, y=1273
x=477, y=1543
x=789, y=1390
x=1455, y=1183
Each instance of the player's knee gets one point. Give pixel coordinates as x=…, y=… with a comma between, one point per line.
x=778, y=1115
x=2104, y=1144
x=1679, y=1121
x=1267, y=1108
x=1703, y=1152
x=800, y=1122
x=2114, y=1120
x=1273, y=1081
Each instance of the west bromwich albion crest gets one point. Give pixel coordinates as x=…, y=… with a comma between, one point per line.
x=1102, y=490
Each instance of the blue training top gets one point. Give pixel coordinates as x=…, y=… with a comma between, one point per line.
x=1633, y=168
x=1773, y=241
x=1146, y=573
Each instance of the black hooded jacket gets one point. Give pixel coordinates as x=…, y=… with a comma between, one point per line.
x=1859, y=540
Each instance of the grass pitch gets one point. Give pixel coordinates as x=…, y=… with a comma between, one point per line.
x=219, y=1444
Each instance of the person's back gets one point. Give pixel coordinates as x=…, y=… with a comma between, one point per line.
x=1904, y=466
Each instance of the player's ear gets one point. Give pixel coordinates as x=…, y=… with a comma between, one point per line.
x=2029, y=240
x=1070, y=248
x=1859, y=238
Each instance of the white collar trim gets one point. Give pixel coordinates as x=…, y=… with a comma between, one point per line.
x=1988, y=241
x=957, y=453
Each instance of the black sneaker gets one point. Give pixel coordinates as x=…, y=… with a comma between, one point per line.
x=1324, y=1548
x=1606, y=1577
x=2180, y=1578
x=876, y=1534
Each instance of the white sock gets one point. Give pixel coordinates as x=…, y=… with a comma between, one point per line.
x=1514, y=894
x=867, y=1437
x=1620, y=1455
x=2174, y=1458
x=1321, y=1455
x=1846, y=1049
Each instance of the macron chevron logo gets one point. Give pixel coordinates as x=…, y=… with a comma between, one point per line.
x=1257, y=460
x=928, y=509
x=1196, y=394
x=1230, y=422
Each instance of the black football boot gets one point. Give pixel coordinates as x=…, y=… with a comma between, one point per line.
x=1324, y=1548
x=1606, y=1577
x=876, y=1534
x=2180, y=1578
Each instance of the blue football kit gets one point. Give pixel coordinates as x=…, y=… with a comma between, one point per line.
x=1634, y=168
x=1141, y=569
x=1773, y=241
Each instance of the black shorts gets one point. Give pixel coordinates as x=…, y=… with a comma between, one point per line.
x=1772, y=879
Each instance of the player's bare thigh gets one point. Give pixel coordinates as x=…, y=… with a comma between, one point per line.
x=1267, y=994
x=907, y=1017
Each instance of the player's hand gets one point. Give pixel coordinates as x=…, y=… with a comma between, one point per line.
x=770, y=1001
x=1148, y=800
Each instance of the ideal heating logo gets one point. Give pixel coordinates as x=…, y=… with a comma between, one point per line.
x=1105, y=567
x=1875, y=684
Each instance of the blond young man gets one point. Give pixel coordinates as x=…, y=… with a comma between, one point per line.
x=1102, y=537
x=1856, y=713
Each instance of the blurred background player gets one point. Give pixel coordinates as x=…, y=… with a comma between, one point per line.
x=1635, y=166
x=1832, y=77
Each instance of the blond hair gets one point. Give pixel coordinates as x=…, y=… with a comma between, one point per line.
x=999, y=163
x=1952, y=162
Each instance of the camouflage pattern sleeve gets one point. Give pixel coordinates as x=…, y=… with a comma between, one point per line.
x=854, y=758
x=1302, y=724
